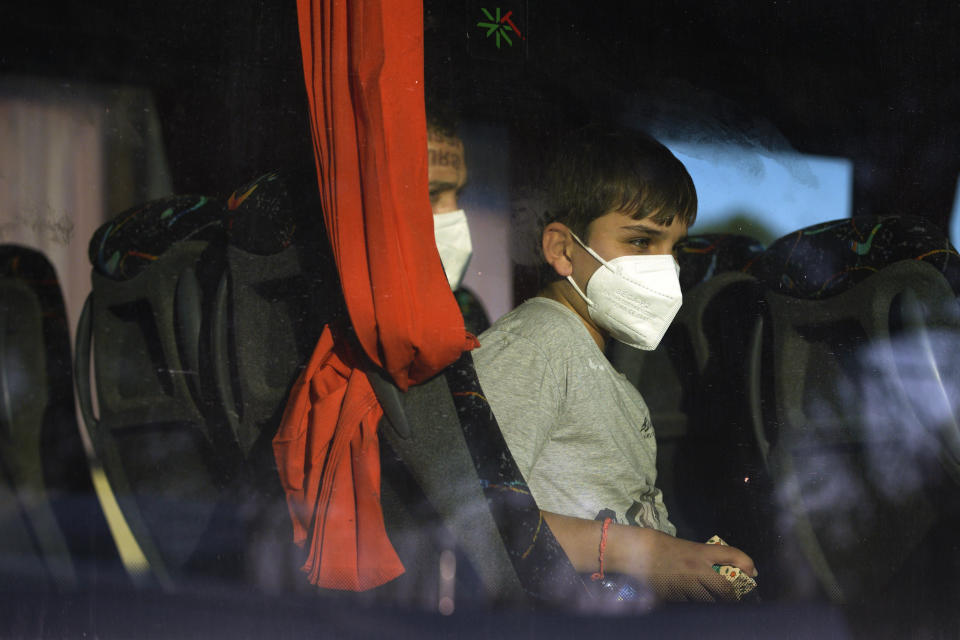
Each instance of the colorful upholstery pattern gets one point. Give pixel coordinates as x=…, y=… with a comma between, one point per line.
x=264, y=212
x=703, y=256
x=828, y=258
x=123, y=247
x=260, y=217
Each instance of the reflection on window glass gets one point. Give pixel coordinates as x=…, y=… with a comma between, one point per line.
x=764, y=194
x=71, y=156
x=955, y=218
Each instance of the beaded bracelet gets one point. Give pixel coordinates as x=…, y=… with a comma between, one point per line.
x=603, y=547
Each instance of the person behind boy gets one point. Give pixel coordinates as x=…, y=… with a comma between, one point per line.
x=447, y=175
x=618, y=203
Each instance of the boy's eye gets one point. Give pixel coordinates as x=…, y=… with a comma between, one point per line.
x=641, y=243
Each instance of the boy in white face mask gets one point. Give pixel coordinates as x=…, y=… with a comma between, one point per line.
x=580, y=433
x=447, y=174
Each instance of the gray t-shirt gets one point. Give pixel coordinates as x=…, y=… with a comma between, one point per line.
x=578, y=430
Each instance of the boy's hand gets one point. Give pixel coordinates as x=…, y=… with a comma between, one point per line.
x=678, y=569
x=674, y=569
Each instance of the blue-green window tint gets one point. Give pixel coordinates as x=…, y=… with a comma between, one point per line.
x=764, y=194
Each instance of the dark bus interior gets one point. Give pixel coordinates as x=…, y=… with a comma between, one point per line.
x=805, y=401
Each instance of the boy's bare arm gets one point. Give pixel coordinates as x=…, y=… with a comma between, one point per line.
x=675, y=569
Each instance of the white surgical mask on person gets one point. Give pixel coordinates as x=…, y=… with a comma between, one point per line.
x=453, y=242
x=634, y=298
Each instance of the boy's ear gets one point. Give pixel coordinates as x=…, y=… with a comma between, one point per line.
x=556, y=244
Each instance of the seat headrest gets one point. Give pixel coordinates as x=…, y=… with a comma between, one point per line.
x=703, y=256
x=262, y=217
x=829, y=258
x=268, y=212
x=123, y=247
x=25, y=263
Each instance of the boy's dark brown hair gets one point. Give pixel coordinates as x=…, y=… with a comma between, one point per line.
x=598, y=169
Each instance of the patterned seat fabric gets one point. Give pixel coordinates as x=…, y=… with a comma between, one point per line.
x=703, y=256
x=829, y=258
x=260, y=217
x=263, y=214
x=125, y=246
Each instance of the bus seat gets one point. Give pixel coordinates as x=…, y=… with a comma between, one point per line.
x=267, y=314
x=825, y=259
x=197, y=332
x=706, y=255
x=276, y=292
x=51, y=530
x=836, y=405
x=160, y=443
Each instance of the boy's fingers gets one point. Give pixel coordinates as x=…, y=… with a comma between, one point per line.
x=735, y=558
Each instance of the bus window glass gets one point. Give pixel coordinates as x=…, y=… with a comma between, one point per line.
x=764, y=194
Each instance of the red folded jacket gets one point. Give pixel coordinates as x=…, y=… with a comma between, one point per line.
x=328, y=458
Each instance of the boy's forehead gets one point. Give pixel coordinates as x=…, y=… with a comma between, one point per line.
x=445, y=159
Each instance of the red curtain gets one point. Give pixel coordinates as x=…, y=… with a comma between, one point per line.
x=363, y=67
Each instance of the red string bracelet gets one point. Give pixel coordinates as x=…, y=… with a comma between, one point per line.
x=603, y=547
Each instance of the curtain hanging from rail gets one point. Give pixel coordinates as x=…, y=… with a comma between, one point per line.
x=363, y=67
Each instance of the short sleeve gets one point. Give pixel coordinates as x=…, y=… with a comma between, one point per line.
x=523, y=391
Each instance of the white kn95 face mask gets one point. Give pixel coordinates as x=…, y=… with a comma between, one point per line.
x=453, y=243
x=634, y=298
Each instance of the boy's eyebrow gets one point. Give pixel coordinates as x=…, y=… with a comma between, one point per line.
x=640, y=227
